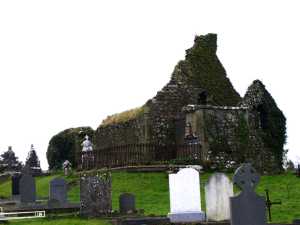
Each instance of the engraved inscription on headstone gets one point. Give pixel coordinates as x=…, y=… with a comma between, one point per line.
x=27, y=189
x=218, y=191
x=127, y=203
x=247, y=208
x=58, y=190
x=185, y=199
x=95, y=195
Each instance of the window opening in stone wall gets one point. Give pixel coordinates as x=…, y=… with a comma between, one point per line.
x=262, y=117
x=202, y=98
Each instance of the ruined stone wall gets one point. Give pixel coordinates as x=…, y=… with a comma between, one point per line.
x=129, y=132
x=270, y=125
x=157, y=123
x=231, y=129
x=165, y=110
x=222, y=132
x=200, y=72
x=230, y=136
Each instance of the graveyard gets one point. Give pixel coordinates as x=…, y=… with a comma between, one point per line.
x=196, y=153
x=152, y=195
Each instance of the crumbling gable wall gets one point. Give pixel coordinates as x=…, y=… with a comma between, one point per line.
x=200, y=72
x=269, y=122
x=231, y=129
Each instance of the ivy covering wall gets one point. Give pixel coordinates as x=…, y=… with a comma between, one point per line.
x=65, y=146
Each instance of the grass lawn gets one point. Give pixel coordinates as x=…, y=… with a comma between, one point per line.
x=152, y=194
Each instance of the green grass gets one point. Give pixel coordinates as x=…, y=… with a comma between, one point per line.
x=152, y=193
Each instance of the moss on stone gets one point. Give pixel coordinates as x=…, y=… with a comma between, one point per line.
x=123, y=116
x=243, y=135
x=272, y=122
x=203, y=69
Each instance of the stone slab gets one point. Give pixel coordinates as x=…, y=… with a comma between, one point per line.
x=127, y=203
x=58, y=191
x=247, y=208
x=186, y=217
x=184, y=188
x=144, y=221
x=95, y=195
x=218, y=191
x=15, y=184
x=27, y=189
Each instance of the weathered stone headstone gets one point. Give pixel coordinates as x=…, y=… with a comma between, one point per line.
x=185, y=199
x=58, y=191
x=27, y=189
x=127, y=203
x=15, y=184
x=218, y=191
x=247, y=208
x=95, y=195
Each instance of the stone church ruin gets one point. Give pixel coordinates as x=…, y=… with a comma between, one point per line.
x=200, y=106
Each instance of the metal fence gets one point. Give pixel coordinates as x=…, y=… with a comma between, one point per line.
x=142, y=154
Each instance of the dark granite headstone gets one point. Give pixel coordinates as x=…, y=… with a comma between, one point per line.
x=27, y=189
x=15, y=184
x=247, y=208
x=58, y=190
x=95, y=195
x=127, y=203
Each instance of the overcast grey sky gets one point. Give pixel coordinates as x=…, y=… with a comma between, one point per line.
x=71, y=63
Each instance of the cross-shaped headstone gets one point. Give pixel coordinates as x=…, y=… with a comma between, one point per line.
x=247, y=208
x=246, y=178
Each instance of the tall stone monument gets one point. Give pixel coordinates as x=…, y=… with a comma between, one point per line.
x=185, y=201
x=27, y=189
x=15, y=184
x=218, y=191
x=247, y=208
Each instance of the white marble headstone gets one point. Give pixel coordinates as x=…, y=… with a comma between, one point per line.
x=185, y=201
x=218, y=191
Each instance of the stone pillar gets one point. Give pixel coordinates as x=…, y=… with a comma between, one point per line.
x=95, y=195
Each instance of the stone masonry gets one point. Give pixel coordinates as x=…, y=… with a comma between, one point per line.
x=230, y=129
